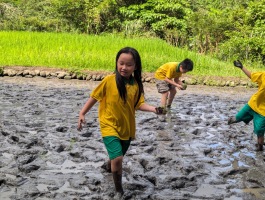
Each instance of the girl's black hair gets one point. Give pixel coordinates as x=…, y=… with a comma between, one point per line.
x=137, y=73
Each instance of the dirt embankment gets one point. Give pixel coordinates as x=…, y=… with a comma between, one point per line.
x=49, y=73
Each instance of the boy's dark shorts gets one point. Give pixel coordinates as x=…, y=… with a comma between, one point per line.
x=115, y=146
x=163, y=86
x=246, y=114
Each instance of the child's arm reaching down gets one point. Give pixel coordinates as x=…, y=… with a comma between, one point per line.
x=89, y=104
x=149, y=108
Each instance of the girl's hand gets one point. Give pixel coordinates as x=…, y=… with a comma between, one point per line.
x=238, y=64
x=160, y=110
x=184, y=86
x=179, y=86
x=81, y=121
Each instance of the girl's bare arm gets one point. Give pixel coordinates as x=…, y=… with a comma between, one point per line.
x=156, y=110
x=89, y=104
x=175, y=82
x=148, y=108
x=238, y=64
x=247, y=72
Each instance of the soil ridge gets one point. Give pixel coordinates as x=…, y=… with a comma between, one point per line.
x=90, y=75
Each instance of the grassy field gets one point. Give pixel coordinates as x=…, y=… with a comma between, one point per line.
x=89, y=52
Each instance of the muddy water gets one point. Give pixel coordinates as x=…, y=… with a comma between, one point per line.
x=191, y=153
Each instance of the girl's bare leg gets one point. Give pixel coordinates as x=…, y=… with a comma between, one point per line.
x=109, y=166
x=116, y=169
x=260, y=143
x=172, y=94
x=164, y=99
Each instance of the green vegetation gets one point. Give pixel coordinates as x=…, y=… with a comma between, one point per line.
x=225, y=30
x=78, y=52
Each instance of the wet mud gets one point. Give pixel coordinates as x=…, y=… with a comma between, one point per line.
x=190, y=153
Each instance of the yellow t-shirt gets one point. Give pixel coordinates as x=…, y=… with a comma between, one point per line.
x=168, y=70
x=116, y=117
x=257, y=101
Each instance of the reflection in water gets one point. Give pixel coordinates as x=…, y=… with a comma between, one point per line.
x=236, y=164
x=214, y=145
x=250, y=154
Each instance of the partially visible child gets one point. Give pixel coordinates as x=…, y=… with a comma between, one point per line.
x=255, y=108
x=167, y=80
x=119, y=96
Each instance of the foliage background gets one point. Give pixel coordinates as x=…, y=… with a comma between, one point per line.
x=225, y=30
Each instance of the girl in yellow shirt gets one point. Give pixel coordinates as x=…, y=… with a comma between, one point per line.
x=119, y=96
x=255, y=108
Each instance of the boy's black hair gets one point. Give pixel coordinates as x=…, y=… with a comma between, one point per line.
x=187, y=64
x=137, y=73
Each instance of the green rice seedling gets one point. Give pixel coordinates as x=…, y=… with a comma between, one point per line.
x=79, y=52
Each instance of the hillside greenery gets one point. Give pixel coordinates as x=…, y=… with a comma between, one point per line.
x=223, y=30
x=82, y=52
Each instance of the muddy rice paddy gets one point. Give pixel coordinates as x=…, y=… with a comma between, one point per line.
x=191, y=153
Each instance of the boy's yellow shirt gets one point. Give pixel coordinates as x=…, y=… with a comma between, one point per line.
x=168, y=70
x=257, y=101
x=116, y=117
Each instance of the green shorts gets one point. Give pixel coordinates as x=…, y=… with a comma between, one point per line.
x=163, y=86
x=246, y=114
x=115, y=146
